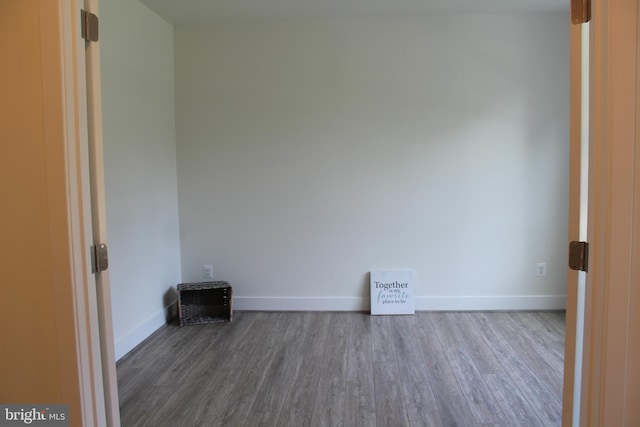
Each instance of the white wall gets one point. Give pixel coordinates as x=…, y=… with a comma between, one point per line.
x=313, y=151
x=140, y=164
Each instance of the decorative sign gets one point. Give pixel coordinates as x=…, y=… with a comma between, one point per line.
x=392, y=292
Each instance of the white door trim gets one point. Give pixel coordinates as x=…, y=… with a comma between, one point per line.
x=102, y=308
x=96, y=361
x=74, y=110
x=575, y=136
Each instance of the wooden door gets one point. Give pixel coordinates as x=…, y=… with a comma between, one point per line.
x=610, y=392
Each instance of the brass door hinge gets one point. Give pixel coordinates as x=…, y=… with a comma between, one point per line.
x=580, y=11
x=89, y=26
x=579, y=256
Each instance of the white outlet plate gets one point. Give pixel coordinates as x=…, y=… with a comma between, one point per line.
x=207, y=271
x=541, y=269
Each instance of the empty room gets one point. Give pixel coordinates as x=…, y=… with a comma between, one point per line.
x=288, y=212
x=294, y=148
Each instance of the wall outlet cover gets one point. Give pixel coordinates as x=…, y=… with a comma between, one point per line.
x=207, y=271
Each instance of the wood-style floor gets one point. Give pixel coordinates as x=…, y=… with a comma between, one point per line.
x=349, y=369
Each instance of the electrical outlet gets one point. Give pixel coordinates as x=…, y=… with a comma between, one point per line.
x=207, y=271
x=541, y=269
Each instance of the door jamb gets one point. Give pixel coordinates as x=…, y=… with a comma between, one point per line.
x=575, y=135
x=96, y=203
x=87, y=336
x=88, y=352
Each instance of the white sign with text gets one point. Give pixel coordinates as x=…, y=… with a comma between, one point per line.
x=392, y=292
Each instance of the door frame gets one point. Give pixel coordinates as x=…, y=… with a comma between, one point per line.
x=96, y=363
x=88, y=350
x=610, y=380
x=95, y=202
x=575, y=151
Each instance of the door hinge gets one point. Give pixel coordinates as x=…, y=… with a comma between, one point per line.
x=579, y=256
x=89, y=26
x=580, y=11
x=99, y=258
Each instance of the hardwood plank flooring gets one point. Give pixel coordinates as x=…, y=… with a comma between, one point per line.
x=349, y=369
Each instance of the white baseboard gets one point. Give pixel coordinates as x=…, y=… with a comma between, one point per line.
x=300, y=304
x=473, y=303
x=486, y=303
x=141, y=332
